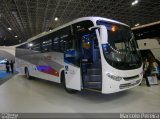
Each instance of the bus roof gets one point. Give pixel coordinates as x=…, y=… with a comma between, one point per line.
x=92, y=18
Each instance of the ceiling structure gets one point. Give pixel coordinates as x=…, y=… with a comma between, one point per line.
x=27, y=18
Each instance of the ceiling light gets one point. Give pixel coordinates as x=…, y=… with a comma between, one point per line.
x=135, y=2
x=15, y=36
x=9, y=29
x=136, y=25
x=56, y=18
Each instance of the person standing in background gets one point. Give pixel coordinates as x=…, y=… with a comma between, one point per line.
x=7, y=66
x=154, y=67
x=146, y=71
x=12, y=66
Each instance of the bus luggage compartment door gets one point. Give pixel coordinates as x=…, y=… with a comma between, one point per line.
x=72, y=69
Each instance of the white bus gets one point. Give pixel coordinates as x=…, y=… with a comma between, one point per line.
x=88, y=53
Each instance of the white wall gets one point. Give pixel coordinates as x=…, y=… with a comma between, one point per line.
x=151, y=44
x=7, y=52
x=9, y=49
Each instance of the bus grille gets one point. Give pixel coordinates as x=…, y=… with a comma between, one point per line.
x=130, y=78
x=127, y=85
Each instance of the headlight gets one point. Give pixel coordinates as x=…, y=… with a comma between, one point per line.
x=116, y=78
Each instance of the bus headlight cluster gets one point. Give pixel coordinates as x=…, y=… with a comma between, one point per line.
x=116, y=78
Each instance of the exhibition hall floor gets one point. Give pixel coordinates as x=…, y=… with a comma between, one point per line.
x=21, y=95
x=3, y=74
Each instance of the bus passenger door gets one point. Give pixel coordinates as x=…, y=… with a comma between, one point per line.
x=86, y=43
x=72, y=69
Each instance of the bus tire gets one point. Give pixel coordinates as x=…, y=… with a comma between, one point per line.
x=27, y=73
x=68, y=90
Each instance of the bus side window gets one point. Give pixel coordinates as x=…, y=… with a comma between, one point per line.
x=47, y=45
x=68, y=43
x=36, y=47
x=65, y=43
x=56, y=44
x=66, y=39
x=33, y=47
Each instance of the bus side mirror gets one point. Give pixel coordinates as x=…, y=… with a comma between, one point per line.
x=103, y=33
x=93, y=28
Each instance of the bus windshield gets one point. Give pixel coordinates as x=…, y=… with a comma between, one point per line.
x=121, y=49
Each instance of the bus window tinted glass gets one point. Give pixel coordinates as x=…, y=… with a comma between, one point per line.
x=65, y=42
x=56, y=44
x=47, y=45
x=36, y=46
x=65, y=39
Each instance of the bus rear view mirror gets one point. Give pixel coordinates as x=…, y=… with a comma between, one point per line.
x=94, y=28
x=103, y=33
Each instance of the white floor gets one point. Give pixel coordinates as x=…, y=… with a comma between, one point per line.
x=21, y=95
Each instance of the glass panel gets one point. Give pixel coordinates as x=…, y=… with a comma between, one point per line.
x=47, y=45
x=120, y=52
x=56, y=44
x=36, y=46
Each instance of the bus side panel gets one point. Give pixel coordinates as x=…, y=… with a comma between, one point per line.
x=72, y=77
x=43, y=65
x=20, y=65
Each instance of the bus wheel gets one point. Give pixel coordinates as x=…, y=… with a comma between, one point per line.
x=71, y=91
x=27, y=73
